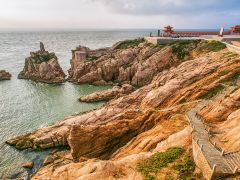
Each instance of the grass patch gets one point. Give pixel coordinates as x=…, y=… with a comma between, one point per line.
x=211, y=46
x=187, y=165
x=157, y=161
x=130, y=43
x=118, y=174
x=230, y=55
x=92, y=58
x=182, y=48
x=233, y=79
x=223, y=73
x=212, y=92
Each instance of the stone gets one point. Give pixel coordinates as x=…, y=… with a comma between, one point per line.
x=4, y=75
x=42, y=47
x=28, y=165
x=106, y=95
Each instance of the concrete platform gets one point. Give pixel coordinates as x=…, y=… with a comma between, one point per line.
x=165, y=40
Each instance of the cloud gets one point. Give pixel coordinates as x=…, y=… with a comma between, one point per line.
x=118, y=13
x=168, y=7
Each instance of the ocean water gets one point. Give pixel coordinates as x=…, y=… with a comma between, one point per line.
x=26, y=105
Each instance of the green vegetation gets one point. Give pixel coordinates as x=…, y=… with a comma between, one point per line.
x=39, y=58
x=233, y=79
x=223, y=73
x=212, y=92
x=92, y=58
x=186, y=166
x=230, y=55
x=157, y=161
x=130, y=43
x=182, y=48
x=211, y=46
x=118, y=174
x=125, y=66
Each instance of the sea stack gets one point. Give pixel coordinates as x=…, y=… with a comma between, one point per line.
x=4, y=75
x=42, y=66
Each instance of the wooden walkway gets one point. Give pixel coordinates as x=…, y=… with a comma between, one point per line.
x=218, y=160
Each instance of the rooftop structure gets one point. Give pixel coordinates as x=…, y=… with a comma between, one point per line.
x=169, y=32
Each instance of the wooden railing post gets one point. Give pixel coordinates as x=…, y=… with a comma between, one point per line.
x=213, y=171
x=222, y=152
x=235, y=170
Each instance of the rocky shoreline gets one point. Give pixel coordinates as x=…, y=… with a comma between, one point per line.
x=113, y=141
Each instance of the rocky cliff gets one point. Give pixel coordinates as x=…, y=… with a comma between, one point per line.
x=4, y=75
x=135, y=62
x=42, y=66
x=146, y=134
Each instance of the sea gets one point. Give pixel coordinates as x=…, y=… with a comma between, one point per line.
x=26, y=105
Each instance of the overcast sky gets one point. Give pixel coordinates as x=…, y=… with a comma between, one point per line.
x=118, y=13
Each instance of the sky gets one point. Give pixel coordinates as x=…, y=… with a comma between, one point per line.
x=114, y=14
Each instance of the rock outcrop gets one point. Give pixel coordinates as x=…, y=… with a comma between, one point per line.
x=135, y=62
x=115, y=92
x=4, y=75
x=42, y=66
x=131, y=128
x=28, y=165
x=187, y=82
x=223, y=115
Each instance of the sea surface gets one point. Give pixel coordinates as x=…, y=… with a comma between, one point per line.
x=26, y=105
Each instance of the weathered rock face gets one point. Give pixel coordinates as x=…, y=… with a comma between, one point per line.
x=134, y=62
x=186, y=82
x=115, y=92
x=4, y=75
x=152, y=118
x=228, y=132
x=222, y=106
x=120, y=168
x=42, y=66
x=225, y=110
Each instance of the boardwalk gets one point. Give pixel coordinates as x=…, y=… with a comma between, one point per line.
x=220, y=163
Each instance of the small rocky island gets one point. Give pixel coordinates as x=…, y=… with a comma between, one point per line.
x=4, y=75
x=42, y=66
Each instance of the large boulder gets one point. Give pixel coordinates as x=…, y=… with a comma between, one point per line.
x=4, y=75
x=42, y=66
x=109, y=94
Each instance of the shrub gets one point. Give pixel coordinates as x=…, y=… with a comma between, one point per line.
x=92, y=58
x=130, y=43
x=212, y=92
x=182, y=48
x=157, y=161
x=211, y=46
x=118, y=174
x=185, y=166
